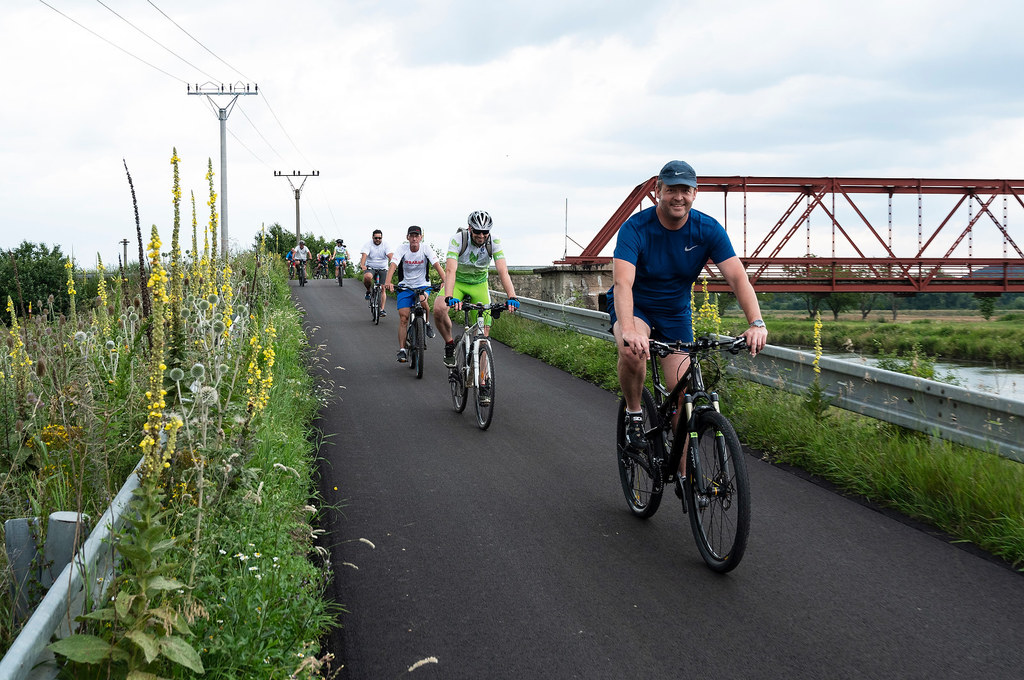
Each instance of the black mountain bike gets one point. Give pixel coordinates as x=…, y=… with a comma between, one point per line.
x=377, y=294
x=301, y=267
x=416, y=335
x=715, y=491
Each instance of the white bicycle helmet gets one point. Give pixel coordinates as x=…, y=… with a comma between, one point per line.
x=479, y=220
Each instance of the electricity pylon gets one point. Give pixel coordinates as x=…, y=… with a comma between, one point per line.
x=210, y=90
x=298, y=193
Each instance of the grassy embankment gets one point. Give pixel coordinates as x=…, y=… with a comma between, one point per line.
x=221, y=572
x=971, y=495
x=950, y=336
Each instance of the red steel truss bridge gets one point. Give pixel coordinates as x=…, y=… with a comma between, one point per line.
x=843, y=234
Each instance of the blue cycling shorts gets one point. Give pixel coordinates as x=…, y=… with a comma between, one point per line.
x=664, y=327
x=406, y=298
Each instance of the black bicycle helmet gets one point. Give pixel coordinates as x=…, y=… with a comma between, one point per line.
x=479, y=220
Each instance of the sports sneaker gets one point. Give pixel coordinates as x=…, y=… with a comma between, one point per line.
x=430, y=331
x=449, y=354
x=403, y=356
x=383, y=313
x=635, y=437
x=367, y=295
x=485, y=394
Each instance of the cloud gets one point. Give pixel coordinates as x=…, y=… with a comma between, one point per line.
x=420, y=111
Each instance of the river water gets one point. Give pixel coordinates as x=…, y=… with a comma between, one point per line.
x=979, y=377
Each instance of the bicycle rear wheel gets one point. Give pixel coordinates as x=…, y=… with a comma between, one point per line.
x=718, y=492
x=418, y=342
x=457, y=378
x=375, y=305
x=484, y=386
x=641, y=483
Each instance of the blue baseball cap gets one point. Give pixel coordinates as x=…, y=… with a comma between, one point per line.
x=678, y=172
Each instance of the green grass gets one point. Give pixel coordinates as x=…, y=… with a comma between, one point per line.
x=1000, y=341
x=972, y=495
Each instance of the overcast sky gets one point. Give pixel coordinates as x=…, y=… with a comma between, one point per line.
x=418, y=112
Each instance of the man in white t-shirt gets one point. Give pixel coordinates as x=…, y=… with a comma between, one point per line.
x=373, y=261
x=415, y=261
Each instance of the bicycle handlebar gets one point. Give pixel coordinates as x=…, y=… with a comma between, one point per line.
x=733, y=346
x=418, y=289
x=701, y=344
x=495, y=308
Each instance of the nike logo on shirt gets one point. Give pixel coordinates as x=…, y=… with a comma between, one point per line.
x=688, y=249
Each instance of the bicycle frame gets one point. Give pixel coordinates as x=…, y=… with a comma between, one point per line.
x=473, y=335
x=690, y=388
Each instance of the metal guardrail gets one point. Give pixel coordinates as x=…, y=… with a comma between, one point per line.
x=977, y=419
x=84, y=580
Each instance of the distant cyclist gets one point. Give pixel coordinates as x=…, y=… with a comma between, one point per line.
x=415, y=262
x=470, y=253
x=340, y=258
x=373, y=261
x=322, y=258
x=301, y=253
x=290, y=258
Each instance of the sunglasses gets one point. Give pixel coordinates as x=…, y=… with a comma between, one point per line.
x=377, y=238
x=479, y=231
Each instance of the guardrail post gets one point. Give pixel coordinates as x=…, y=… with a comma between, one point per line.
x=65, y=533
x=64, y=536
x=20, y=542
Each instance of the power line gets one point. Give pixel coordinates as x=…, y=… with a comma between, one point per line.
x=251, y=152
x=242, y=110
x=169, y=50
x=294, y=146
x=245, y=77
x=157, y=68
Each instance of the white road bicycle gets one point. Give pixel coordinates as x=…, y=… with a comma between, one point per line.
x=474, y=365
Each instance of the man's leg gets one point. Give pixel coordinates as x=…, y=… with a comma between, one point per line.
x=403, y=330
x=379, y=276
x=632, y=369
x=442, y=321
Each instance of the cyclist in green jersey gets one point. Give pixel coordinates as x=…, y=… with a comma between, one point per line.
x=470, y=254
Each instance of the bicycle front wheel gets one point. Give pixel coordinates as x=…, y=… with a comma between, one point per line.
x=484, y=386
x=639, y=473
x=418, y=341
x=457, y=378
x=375, y=305
x=718, y=492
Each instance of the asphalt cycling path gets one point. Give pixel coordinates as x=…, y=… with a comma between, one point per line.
x=510, y=553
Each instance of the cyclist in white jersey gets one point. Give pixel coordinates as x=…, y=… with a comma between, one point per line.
x=415, y=261
x=373, y=261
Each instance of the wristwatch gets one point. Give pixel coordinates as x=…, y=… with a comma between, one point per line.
x=757, y=323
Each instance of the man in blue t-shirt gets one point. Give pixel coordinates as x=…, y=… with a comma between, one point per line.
x=659, y=255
